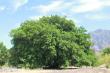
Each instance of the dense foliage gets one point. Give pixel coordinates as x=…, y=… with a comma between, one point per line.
x=3, y=54
x=51, y=41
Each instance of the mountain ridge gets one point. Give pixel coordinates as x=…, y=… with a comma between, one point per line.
x=100, y=39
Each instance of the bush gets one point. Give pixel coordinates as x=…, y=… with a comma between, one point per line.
x=104, y=58
x=3, y=54
x=106, y=51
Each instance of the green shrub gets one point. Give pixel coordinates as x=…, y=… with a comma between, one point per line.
x=106, y=51
x=3, y=54
x=104, y=60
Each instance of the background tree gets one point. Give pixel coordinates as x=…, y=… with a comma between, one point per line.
x=51, y=41
x=3, y=54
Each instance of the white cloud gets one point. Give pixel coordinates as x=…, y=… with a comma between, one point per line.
x=87, y=5
x=54, y=6
x=75, y=6
x=2, y=8
x=92, y=8
x=106, y=2
x=19, y=3
x=90, y=5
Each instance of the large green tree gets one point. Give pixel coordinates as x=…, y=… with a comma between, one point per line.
x=51, y=41
x=3, y=54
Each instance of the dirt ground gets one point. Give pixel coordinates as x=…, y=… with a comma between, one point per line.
x=82, y=70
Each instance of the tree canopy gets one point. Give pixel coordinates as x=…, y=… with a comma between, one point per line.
x=51, y=41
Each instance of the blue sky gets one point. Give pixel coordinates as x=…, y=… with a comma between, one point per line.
x=91, y=14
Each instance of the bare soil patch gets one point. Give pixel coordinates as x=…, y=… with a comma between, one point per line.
x=81, y=70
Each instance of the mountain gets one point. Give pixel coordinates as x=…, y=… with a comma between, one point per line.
x=101, y=39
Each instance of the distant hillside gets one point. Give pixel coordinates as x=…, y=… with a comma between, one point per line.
x=101, y=39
